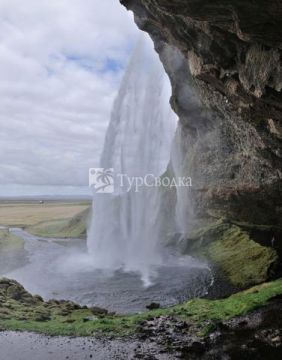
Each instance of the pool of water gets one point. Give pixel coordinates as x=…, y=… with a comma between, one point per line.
x=64, y=270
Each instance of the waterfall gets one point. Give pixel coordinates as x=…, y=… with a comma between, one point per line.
x=180, y=168
x=124, y=232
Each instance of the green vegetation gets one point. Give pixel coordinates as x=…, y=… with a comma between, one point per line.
x=21, y=311
x=9, y=242
x=74, y=227
x=242, y=260
x=48, y=219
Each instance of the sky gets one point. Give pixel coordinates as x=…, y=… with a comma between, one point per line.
x=61, y=63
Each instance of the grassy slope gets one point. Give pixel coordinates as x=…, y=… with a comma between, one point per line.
x=196, y=311
x=53, y=219
x=74, y=227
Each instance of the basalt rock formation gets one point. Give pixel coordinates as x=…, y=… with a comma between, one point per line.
x=223, y=58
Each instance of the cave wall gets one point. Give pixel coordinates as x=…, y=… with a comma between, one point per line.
x=223, y=58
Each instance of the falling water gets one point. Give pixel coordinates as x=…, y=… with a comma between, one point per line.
x=128, y=228
x=183, y=208
x=125, y=227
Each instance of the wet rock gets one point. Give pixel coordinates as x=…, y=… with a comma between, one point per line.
x=223, y=58
x=231, y=66
x=153, y=306
x=98, y=311
x=256, y=335
x=277, y=340
x=89, y=318
x=163, y=329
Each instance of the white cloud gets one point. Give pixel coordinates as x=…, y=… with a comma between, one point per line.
x=61, y=62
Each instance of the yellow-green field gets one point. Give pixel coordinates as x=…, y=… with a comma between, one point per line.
x=52, y=218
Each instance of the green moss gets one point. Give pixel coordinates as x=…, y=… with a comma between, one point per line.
x=244, y=261
x=9, y=241
x=17, y=315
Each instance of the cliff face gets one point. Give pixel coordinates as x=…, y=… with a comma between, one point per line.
x=224, y=61
x=223, y=58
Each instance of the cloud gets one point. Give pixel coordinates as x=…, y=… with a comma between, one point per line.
x=61, y=63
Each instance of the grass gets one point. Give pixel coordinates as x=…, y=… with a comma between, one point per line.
x=74, y=227
x=50, y=219
x=31, y=213
x=196, y=311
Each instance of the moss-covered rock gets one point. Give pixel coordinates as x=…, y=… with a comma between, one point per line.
x=231, y=248
x=44, y=317
x=244, y=261
x=223, y=58
x=17, y=303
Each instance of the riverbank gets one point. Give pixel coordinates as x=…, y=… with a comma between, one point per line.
x=255, y=335
x=22, y=311
x=247, y=321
